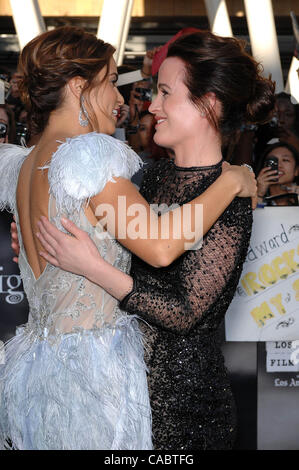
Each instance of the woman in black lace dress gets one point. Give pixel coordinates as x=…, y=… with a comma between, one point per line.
x=207, y=87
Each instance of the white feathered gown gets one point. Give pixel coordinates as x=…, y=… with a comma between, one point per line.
x=74, y=376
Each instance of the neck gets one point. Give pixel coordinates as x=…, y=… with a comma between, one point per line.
x=198, y=150
x=64, y=124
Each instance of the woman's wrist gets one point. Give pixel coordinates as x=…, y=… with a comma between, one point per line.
x=260, y=191
x=117, y=283
x=230, y=179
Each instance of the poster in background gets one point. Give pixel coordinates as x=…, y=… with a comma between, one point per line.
x=13, y=302
x=266, y=303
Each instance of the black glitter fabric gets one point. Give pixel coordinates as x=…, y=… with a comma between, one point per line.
x=183, y=306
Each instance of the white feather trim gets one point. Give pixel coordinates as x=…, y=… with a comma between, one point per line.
x=81, y=167
x=11, y=160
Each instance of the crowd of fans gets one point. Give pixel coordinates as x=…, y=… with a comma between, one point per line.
x=13, y=115
x=257, y=145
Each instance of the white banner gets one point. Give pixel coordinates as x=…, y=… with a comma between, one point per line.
x=266, y=303
x=282, y=356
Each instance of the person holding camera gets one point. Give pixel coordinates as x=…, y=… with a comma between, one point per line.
x=253, y=139
x=4, y=124
x=7, y=124
x=139, y=101
x=278, y=175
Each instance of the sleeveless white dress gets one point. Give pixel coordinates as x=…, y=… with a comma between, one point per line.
x=74, y=376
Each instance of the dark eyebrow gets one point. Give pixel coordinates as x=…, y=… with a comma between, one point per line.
x=164, y=85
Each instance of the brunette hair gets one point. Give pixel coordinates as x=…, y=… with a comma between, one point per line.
x=49, y=61
x=222, y=66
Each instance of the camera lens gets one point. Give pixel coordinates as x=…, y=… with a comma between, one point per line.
x=145, y=93
x=3, y=130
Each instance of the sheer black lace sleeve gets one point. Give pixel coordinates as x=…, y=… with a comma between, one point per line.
x=183, y=294
x=191, y=290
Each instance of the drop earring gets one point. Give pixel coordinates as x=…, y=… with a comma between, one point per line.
x=83, y=114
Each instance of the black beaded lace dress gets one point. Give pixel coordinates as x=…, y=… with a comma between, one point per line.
x=183, y=305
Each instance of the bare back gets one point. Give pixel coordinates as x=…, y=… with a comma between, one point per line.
x=33, y=200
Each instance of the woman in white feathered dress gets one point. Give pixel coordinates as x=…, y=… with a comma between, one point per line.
x=74, y=376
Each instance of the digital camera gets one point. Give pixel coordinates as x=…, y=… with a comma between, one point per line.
x=145, y=94
x=272, y=162
x=3, y=130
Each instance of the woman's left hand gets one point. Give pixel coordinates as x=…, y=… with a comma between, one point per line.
x=77, y=254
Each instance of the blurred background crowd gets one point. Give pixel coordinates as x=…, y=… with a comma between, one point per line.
x=272, y=149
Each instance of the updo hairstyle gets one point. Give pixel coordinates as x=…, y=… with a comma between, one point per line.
x=221, y=66
x=49, y=61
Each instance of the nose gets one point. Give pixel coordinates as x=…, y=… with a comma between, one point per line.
x=155, y=105
x=280, y=165
x=120, y=98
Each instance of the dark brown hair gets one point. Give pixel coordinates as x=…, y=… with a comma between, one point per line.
x=49, y=61
x=222, y=66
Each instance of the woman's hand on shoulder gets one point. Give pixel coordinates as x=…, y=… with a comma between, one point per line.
x=243, y=180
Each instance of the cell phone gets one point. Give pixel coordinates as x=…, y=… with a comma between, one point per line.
x=272, y=162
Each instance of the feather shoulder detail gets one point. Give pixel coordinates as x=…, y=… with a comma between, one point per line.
x=11, y=159
x=81, y=167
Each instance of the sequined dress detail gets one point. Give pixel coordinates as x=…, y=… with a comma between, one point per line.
x=74, y=376
x=184, y=305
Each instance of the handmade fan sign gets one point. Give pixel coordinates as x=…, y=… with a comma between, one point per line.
x=266, y=304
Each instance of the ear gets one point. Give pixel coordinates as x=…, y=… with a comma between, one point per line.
x=76, y=85
x=211, y=98
x=214, y=103
x=297, y=171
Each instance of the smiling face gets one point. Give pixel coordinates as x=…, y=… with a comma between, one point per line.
x=287, y=169
x=178, y=119
x=105, y=99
